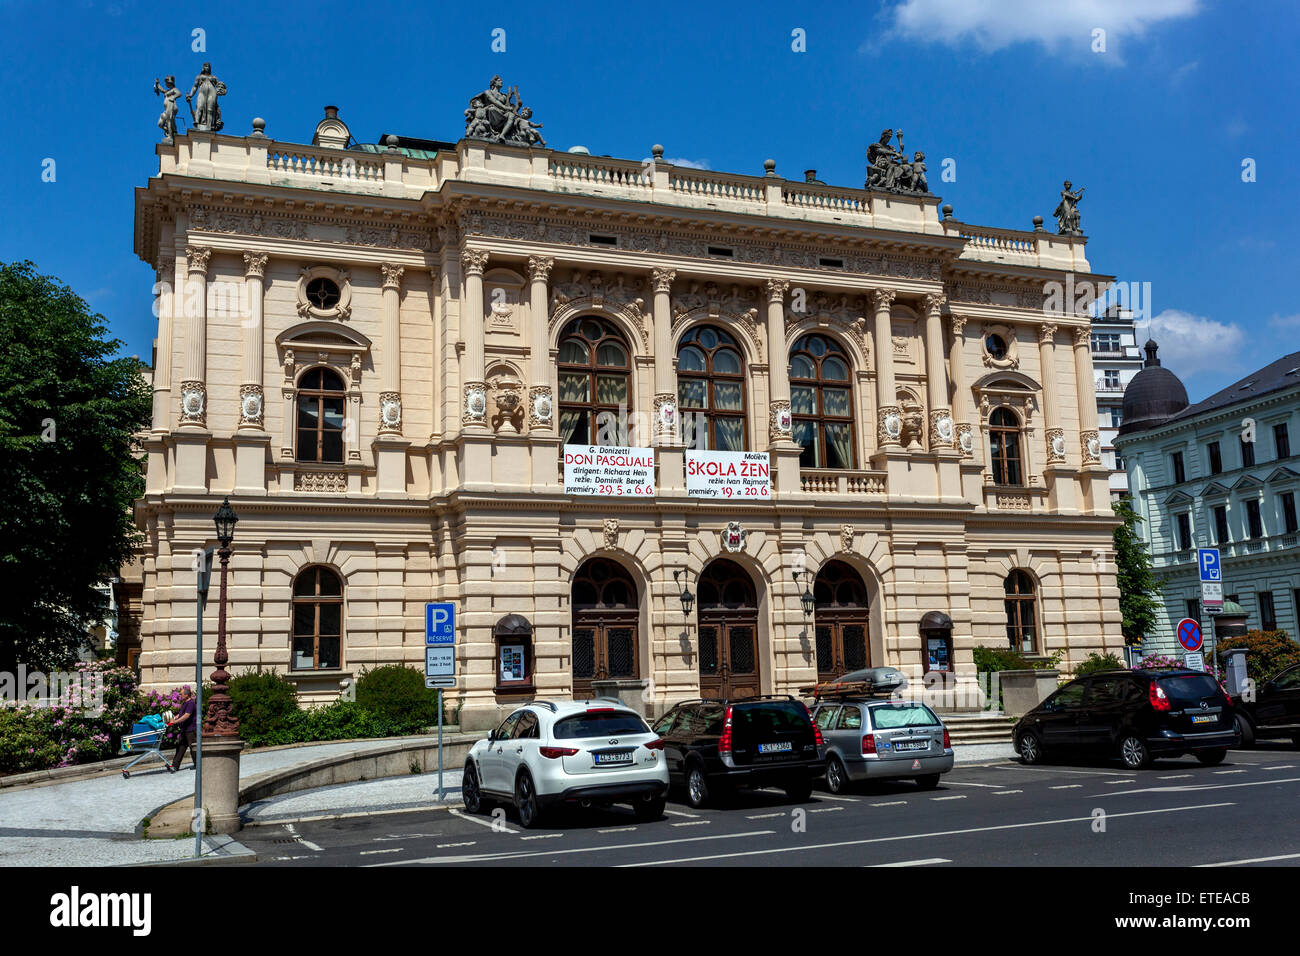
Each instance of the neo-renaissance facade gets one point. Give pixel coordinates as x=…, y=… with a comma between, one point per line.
x=381, y=353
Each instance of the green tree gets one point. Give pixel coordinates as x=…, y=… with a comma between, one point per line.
x=68, y=464
x=1139, y=592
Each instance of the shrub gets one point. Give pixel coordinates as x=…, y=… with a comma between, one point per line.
x=989, y=659
x=1097, y=662
x=25, y=745
x=342, y=720
x=1267, y=652
x=264, y=703
x=397, y=694
x=1159, y=662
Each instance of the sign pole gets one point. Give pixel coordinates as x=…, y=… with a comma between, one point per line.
x=197, y=816
x=440, y=745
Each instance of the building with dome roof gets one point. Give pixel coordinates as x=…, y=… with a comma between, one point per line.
x=1221, y=473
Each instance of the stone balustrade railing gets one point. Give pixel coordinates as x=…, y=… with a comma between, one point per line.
x=324, y=163
x=834, y=481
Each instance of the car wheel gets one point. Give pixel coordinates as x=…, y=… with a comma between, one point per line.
x=929, y=781
x=697, y=787
x=1134, y=752
x=1246, y=730
x=837, y=778
x=470, y=792
x=649, y=809
x=1031, y=750
x=799, y=790
x=530, y=811
x=1212, y=758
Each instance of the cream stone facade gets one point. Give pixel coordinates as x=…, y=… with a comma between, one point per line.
x=452, y=279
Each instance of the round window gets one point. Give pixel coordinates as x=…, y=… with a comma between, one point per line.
x=996, y=346
x=323, y=293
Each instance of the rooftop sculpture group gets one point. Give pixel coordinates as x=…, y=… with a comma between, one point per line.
x=202, y=99
x=889, y=169
x=501, y=117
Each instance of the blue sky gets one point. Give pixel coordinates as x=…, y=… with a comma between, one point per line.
x=1156, y=127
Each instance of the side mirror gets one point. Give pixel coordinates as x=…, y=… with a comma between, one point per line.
x=492, y=735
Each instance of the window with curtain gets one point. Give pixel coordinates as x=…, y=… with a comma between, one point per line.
x=1022, y=631
x=317, y=620
x=821, y=402
x=595, y=375
x=1004, y=447
x=711, y=390
x=321, y=402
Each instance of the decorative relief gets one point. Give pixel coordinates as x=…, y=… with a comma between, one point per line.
x=941, y=428
x=247, y=224
x=889, y=425
x=329, y=481
x=390, y=412
x=666, y=415
x=966, y=440
x=251, y=405
x=592, y=291
x=845, y=312
x=913, y=427
x=846, y=537
x=342, y=309
x=995, y=294
x=194, y=403
x=610, y=529
x=1013, y=502
x=290, y=366
x=475, y=412
x=734, y=536
x=540, y=406
x=780, y=421
x=507, y=393
x=255, y=264
x=707, y=301
x=1091, y=444
x=1055, y=445
x=999, y=347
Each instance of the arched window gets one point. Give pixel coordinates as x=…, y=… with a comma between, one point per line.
x=821, y=402
x=595, y=369
x=711, y=390
x=1004, y=447
x=1022, y=631
x=317, y=620
x=320, y=416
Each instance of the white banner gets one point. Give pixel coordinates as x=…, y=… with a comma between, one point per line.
x=609, y=471
x=746, y=475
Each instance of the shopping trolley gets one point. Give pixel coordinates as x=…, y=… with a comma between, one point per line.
x=145, y=739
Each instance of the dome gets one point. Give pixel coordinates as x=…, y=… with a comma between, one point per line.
x=1153, y=397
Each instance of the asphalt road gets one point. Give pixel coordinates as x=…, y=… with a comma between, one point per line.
x=1175, y=813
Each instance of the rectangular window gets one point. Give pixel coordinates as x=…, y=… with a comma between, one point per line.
x=1221, y=525
x=1184, y=532
x=1111, y=378
x=1267, y=616
x=1288, y=511
x=1253, y=522
x=1216, y=459
x=1180, y=473
x=1247, y=453
x=1105, y=342
x=1194, y=609
x=1281, y=441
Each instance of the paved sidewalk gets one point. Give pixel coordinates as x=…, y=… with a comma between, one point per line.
x=416, y=792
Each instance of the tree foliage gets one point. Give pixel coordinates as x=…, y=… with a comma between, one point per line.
x=68, y=465
x=1139, y=592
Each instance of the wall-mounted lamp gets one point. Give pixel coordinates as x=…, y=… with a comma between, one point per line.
x=809, y=602
x=688, y=599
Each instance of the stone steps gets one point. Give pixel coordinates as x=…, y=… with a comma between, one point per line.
x=984, y=728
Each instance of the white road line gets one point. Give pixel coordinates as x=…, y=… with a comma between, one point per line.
x=956, y=783
x=1066, y=786
x=1281, y=766
x=1187, y=788
x=1176, y=776
x=891, y=803
x=490, y=824
x=960, y=796
x=1229, y=771
x=309, y=845
x=304, y=856
x=920, y=836
x=929, y=862
x=769, y=816
x=679, y=813
x=827, y=796
x=1003, y=793
x=693, y=823
x=447, y=846
x=405, y=836
x=825, y=809
x=616, y=830
x=1258, y=859
x=1090, y=773
x=542, y=836
x=518, y=855
x=1111, y=783
x=396, y=849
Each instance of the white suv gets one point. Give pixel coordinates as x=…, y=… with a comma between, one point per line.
x=577, y=752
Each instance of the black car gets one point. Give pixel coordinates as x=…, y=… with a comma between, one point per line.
x=714, y=746
x=1274, y=711
x=1135, y=715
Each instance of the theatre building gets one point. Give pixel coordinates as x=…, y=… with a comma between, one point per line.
x=560, y=390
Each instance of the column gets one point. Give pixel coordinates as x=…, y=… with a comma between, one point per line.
x=665, y=401
x=165, y=289
x=889, y=417
x=780, y=424
x=194, y=394
x=541, y=403
x=251, y=399
x=1051, y=410
x=474, y=388
x=941, y=424
x=960, y=399
x=390, y=372
x=1086, y=390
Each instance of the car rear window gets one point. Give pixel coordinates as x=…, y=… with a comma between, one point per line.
x=890, y=716
x=771, y=717
x=598, y=724
x=1189, y=688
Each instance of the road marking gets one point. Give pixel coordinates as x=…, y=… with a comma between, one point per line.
x=827, y=796
x=694, y=823
x=1229, y=771
x=309, y=845
x=304, y=856
x=1258, y=859
x=1003, y=793
x=1090, y=773
x=446, y=846
x=929, y=862
x=518, y=855
x=542, y=836
x=1111, y=783
x=919, y=836
x=1176, y=776
x=405, y=836
x=891, y=803
x=490, y=824
x=955, y=783
x=768, y=816
x=1066, y=786
x=824, y=810
x=396, y=849
x=616, y=830
x=960, y=796
x=1281, y=766
x=679, y=813
x=1187, y=788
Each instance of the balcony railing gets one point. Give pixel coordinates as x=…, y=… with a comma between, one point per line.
x=834, y=481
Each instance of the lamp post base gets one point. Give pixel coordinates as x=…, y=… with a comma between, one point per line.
x=221, y=782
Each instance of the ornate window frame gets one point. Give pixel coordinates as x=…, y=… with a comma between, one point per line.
x=339, y=277
x=1008, y=335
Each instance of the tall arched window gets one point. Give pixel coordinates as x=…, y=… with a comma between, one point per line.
x=321, y=402
x=1022, y=631
x=711, y=390
x=1004, y=447
x=317, y=620
x=595, y=370
x=821, y=402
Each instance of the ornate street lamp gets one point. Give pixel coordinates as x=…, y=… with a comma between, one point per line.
x=809, y=602
x=688, y=599
x=220, y=720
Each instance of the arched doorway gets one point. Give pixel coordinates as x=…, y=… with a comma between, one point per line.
x=841, y=622
x=604, y=625
x=728, y=615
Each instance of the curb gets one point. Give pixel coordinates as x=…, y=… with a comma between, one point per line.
x=250, y=824
x=228, y=853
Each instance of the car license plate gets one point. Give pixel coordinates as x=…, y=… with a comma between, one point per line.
x=1204, y=720
x=913, y=745
x=783, y=746
x=622, y=756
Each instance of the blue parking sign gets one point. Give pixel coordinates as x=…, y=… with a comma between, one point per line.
x=1208, y=560
x=440, y=623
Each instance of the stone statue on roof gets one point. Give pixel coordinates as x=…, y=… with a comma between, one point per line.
x=1067, y=211
x=203, y=100
x=889, y=170
x=170, y=94
x=501, y=117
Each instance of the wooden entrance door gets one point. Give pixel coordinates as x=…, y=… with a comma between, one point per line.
x=728, y=615
x=604, y=626
x=842, y=625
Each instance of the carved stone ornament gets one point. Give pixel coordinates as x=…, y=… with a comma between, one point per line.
x=966, y=440
x=889, y=425
x=611, y=532
x=250, y=405
x=197, y=258
x=889, y=169
x=321, y=307
x=392, y=275
x=508, y=395
x=1091, y=444
x=1055, y=445
x=999, y=348
x=780, y=421
x=255, y=264
x=194, y=403
x=913, y=425
x=846, y=537
x=941, y=428
x=666, y=414
x=390, y=411
x=734, y=537
x=499, y=116
x=540, y=406
x=475, y=403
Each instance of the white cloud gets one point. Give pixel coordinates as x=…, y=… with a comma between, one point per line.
x=1285, y=323
x=994, y=24
x=689, y=163
x=1192, y=344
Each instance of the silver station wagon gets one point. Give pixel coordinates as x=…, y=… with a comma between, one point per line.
x=873, y=739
